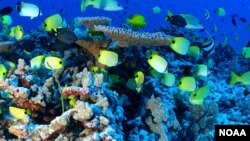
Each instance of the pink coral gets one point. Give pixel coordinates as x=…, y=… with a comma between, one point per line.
x=74, y=90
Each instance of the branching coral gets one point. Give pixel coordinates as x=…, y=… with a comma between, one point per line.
x=157, y=111
x=157, y=128
x=20, y=97
x=82, y=112
x=74, y=90
x=201, y=121
x=128, y=37
x=91, y=110
x=90, y=22
x=92, y=47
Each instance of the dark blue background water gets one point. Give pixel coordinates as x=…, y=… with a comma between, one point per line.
x=70, y=9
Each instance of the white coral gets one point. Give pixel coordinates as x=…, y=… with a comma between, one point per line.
x=84, y=111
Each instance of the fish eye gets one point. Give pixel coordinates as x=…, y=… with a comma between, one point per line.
x=45, y=25
x=60, y=62
x=179, y=83
x=150, y=57
x=173, y=41
x=2, y=19
x=99, y=55
x=4, y=73
x=136, y=76
x=195, y=94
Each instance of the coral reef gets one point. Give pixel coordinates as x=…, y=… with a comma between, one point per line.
x=128, y=37
x=77, y=103
x=95, y=121
x=90, y=22
x=7, y=47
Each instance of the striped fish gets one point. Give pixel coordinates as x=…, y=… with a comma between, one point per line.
x=208, y=46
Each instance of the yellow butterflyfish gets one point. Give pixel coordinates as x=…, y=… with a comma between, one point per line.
x=157, y=62
x=201, y=70
x=197, y=97
x=194, y=51
x=6, y=20
x=53, y=22
x=187, y=84
x=53, y=63
x=168, y=79
x=3, y=71
x=246, y=52
x=19, y=32
x=108, y=58
x=180, y=45
x=17, y=112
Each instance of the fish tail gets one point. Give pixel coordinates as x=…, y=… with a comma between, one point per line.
x=234, y=78
x=84, y=4
x=127, y=20
x=169, y=16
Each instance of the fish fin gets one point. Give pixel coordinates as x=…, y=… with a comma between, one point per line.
x=234, y=78
x=40, y=13
x=169, y=15
x=128, y=20
x=84, y=4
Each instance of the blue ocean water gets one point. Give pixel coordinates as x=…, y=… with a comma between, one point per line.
x=120, y=83
x=71, y=9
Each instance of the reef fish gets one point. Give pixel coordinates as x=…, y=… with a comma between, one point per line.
x=53, y=63
x=3, y=71
x=157, y=62
x=28, y=10
x=180, y=45
x=244, y=78
x=36, y=63
x=168, y=79
x=220, y=11
x=187, y=84
x=17, y=112
x=107, y=5
x=6, y=10
x=136, y=82
x=208, y=45
x=108, y=58
x=246, y=52
x=66, y=35
x=187, y=21
x=194, y=51
x=206, y=15
x=53, y=22
x=156, y=9
x=17, y=32
x=197, y=97
x=136, y=21
x=6, y=20
x=201, y=70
